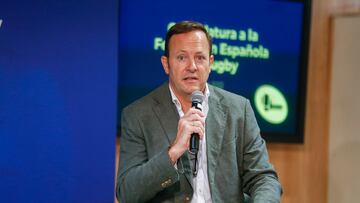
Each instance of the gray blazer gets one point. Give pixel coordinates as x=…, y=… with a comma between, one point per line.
x=238, y=164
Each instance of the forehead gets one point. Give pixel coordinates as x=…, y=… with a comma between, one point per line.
x=190, y=41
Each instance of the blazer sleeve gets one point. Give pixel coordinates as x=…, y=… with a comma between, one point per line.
x=140, y=178
x=259, y=177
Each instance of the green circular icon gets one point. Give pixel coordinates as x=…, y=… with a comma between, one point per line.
x=271, y=104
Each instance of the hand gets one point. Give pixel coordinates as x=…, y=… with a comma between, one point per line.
x=192, y=122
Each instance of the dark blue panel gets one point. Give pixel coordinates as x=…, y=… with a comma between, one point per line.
x=58, y=86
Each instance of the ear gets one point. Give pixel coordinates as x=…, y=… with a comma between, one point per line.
x=211, y=62
x=165, y=64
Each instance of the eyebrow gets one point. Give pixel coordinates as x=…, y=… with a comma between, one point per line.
x=183, y=51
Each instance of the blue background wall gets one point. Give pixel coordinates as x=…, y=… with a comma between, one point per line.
x=58, y=85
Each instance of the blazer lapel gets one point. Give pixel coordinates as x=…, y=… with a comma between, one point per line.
x=215, y=127
x=168, y=116
x=166, y=112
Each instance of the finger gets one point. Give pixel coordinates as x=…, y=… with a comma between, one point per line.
x=198, y=123
x=195, y=123
x=194, y=114
x=194, y=127
x=199, y=131
x=196, y=117
x=194, y=111
x=197, y=127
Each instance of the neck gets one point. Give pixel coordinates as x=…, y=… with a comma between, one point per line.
x=185, y=106
x=184, y=99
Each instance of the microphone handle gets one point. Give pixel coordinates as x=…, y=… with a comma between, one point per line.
x=194, y=143
x=194, y=139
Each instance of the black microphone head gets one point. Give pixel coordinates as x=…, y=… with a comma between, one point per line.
x=197, y=96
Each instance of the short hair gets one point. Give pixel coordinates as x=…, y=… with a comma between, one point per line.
x=185, y=27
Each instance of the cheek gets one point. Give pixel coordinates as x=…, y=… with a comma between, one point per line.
x=175, y=73
x=206, y=72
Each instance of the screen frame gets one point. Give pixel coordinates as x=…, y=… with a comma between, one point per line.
x=298, y=137
x=278, y=137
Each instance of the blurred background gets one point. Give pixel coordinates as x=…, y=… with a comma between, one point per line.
x=63, y=77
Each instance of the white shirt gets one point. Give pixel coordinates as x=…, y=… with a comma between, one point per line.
x=201, y=181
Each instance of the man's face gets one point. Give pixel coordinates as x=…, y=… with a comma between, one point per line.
x=188, y=64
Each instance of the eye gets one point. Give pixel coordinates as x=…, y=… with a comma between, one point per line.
x=200, y=58
x=181, y=58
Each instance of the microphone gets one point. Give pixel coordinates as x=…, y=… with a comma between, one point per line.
x=197, y=98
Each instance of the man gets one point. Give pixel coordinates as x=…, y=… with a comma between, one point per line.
x=155, y=163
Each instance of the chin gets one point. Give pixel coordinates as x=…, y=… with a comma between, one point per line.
x=191, y=90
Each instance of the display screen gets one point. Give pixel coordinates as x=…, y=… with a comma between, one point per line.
x=260, y=49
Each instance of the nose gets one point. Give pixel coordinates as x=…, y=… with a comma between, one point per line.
x=192, y=65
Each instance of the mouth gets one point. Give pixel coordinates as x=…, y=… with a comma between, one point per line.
x=191, y=79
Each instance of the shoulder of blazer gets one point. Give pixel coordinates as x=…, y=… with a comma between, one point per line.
x=160, y=95
x=227, y=98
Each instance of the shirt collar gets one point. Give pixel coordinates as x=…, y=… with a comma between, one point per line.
x=177, y=103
